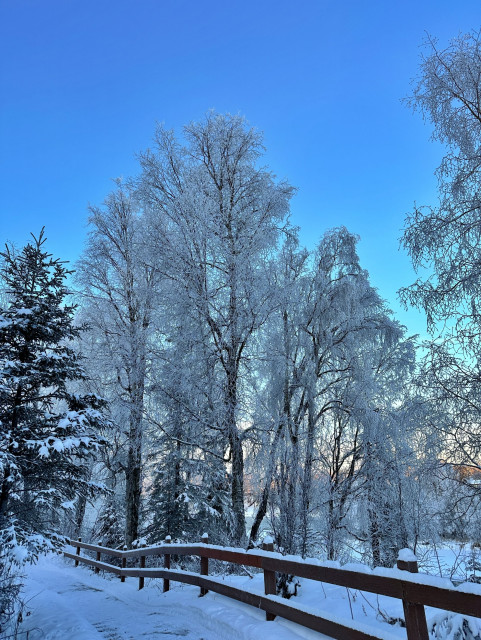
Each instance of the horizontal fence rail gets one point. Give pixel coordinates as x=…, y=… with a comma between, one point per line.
x=413, y=589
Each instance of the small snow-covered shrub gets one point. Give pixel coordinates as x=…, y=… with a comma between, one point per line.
x=9, y=596
x=287, y=585
x=455, y=627
x=473, y=566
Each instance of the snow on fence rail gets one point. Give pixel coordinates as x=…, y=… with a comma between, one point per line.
x=415, y=590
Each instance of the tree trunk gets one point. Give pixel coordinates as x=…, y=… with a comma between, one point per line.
x=331, y=552
x=238, y=491
x=307, y=478
x=374, y=537
x=237, y=460
x=262, y=509
x=5, y=492
x=133, y=475
x=79, y=515
x=133, y=498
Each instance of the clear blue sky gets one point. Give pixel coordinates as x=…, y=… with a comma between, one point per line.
x=84, y=81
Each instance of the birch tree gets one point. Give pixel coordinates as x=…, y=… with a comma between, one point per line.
x=218, y=219
x=119, y=288
x=279, y=370
x=322, y=327
x=443, y=240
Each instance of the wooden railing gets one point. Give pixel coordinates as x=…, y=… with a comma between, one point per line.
x=414, y=590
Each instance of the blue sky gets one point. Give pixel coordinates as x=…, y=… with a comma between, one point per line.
x=83, y=83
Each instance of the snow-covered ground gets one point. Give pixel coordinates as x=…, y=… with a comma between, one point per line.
x=450, y=559
x=69, y=603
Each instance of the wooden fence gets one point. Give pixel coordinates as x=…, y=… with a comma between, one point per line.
x=412, y=590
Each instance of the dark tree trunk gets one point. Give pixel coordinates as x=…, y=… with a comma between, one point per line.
x=133, y=475
x=4, y=492
x=262, y=509
x=239, y=532
x=79, y=515
x=133, y=499
x=307, y=477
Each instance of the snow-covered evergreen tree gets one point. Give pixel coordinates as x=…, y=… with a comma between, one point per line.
x=47, y=432
x=109, y=528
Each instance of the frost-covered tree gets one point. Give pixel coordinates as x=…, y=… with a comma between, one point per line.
x=386, y=438
x=47, y=432
x=445, y=239
x=277, y=384
x=119, y=286
x=218, y=218
x=321, y=377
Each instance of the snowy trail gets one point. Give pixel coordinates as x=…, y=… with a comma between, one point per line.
x=68, y=603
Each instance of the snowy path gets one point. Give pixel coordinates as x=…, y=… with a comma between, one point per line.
x=70, y=603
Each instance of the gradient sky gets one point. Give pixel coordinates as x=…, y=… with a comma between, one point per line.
x=83, y=83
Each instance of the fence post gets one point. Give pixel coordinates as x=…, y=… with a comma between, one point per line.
x=124, y=563
x=167, y=540
x=269, y=576
x=414, y=614
x=97, y=557
x=142, y=566
x=204, y=563
x=78, y=552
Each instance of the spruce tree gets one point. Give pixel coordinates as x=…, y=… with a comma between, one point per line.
x=47, y=431
x=188, y=496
